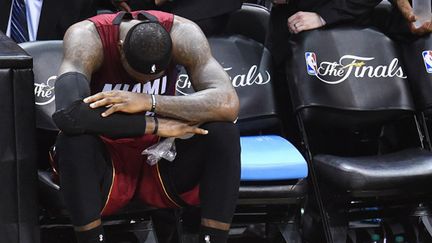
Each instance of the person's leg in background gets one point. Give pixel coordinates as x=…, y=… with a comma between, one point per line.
x=213, y=162
x=278, y=43
x=85, y=177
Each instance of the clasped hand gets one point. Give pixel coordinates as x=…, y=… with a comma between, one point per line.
x=119, y=101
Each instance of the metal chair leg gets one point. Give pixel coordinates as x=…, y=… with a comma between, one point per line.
x=290, y=232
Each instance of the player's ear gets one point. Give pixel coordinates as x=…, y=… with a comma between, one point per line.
x=120, y=48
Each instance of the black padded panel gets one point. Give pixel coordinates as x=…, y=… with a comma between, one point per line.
x=409, y=168
x=348, y=69
x=418, y=61
x=47, y=56
x=11, y=55
x=251, y=20
x=18, y=210
x=249, y=65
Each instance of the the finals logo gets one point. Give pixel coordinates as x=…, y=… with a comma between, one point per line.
x=351, y=65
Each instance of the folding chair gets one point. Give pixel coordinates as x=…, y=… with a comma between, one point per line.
x=348, y=86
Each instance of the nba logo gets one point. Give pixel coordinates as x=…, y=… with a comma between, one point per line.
x=427, y=58
x=311, y=63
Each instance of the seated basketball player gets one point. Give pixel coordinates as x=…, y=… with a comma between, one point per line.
x=115, y=97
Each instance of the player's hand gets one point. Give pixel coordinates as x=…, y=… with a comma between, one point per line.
x=175, y=128
x=422, y=30
x=119, y=101
x=302, y=21
x=405, y=8
x=121, y=5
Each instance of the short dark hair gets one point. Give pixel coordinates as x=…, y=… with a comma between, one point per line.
x=148, y=47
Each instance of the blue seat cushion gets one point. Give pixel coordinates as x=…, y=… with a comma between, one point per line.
x=270, y=157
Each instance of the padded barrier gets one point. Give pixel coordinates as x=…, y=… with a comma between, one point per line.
x=18, y=210
x=347, y=69
x=267, y=158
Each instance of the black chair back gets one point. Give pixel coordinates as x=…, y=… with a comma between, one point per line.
x=251, y=20
x=48, y=56
x=418, y=61
x=334, y=74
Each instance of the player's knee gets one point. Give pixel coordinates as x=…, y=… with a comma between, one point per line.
x=223, y=139
x=75, y=143
x=223, y=132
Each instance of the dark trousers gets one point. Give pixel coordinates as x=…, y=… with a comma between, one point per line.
x=212, y=161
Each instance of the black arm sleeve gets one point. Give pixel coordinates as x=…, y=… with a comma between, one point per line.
x=79, y=118
x=74, y=117
x=70, y=87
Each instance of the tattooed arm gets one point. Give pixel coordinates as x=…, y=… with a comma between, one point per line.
x=215, y=98
x=82, y=49
x=82, y=52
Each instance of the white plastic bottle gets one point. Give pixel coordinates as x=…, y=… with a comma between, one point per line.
x=422, y=9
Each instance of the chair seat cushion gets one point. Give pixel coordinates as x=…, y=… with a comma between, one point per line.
x=270, y=157
x=411, y=168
